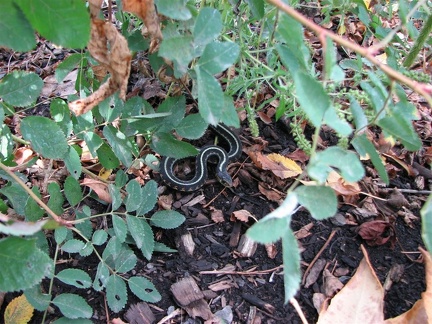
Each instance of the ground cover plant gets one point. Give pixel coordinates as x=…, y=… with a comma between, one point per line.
x=100, y=140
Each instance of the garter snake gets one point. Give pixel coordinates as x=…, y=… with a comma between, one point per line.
x=235, y=150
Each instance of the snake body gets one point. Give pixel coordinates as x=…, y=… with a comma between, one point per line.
x=201, y=174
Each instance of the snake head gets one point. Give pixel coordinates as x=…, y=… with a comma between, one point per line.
x=224, y=178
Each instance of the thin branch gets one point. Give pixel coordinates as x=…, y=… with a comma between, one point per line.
x=33, y=195
x=369, y=53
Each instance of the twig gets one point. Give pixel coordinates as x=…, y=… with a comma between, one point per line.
x=318, y=255
x=369, y=53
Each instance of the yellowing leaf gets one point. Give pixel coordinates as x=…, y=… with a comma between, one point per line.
x=105, y=173
x=19, y=311
x=291, y=168
x=382, y=58
x=360, y=301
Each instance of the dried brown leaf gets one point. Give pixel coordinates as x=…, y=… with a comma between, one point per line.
x=360, y=301
x=242, y=215
x=101, y=188
x=146, y=10
x=377, y=232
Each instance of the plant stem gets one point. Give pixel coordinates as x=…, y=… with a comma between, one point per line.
x=33, y=195
x=369, y=53
x=418, y=45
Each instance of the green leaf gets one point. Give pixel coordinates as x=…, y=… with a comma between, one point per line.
x=192, y=126
x=257, y=8
x=93, y=142
x=291, y=261
x=121, y=178
x=166, y=145
x=60, y=234
x=111, y=108
x=217, y=57
x=276, y=224
x=142, y=235
x=167, y=219
x=33, y=211
x=116, y=293
x=37, y=299
x=68, y=64
x=174, y=9
x=102, y=276
x=73, y=306
x=320, y=201
x=73, y=246
x=125, y=260
x=99, y=237
x=175, y=107
x=208, y=26
x=121, y=146
x=180, y=50
x=148, y=198
x=341, y=126
x=56, y=198
x=15, y=30
x=23, y=265
x=144, y=289
x=6, y=142
x=116, y=196
x=73, y=162
x=210, y=97
x=133, y=199
x=426, y=220
x=17, y=196
x=107, y=157
x=72, y=191
x=360, y=119
x=312, y=97
x=85, y=226
x=120, y=227
x=60, y=112
x=20, y=89
x=45, y=15
x=160, y=247
x=229, y=113
x=290, y=32
x=86, y=250
x=399, y=127
x=45, y=136
x=332, y=70
x=346, y=163
x=365, y=148
x=75, y=277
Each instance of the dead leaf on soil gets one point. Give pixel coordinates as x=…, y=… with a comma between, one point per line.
x=377, y=232
x=348, y=190
x=242, y=215
x=281, y=166
x=23, y=155
x=101, y=188
x=360, y=301
x=271, y=194
x=139, y=313
x=217, y=215
x=304, y=231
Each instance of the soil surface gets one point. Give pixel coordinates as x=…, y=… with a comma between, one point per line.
x=253, y=286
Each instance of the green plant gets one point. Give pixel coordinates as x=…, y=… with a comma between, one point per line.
x=192, y=47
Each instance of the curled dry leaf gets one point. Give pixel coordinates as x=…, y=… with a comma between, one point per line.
x=101, y=189
x=342, y=187
x=360, y=301
x=111, y=50
x=377, y=232
x=23, y=155
x=165, y=201
x=242, y=215
x=146, y=10
x=217, y=216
